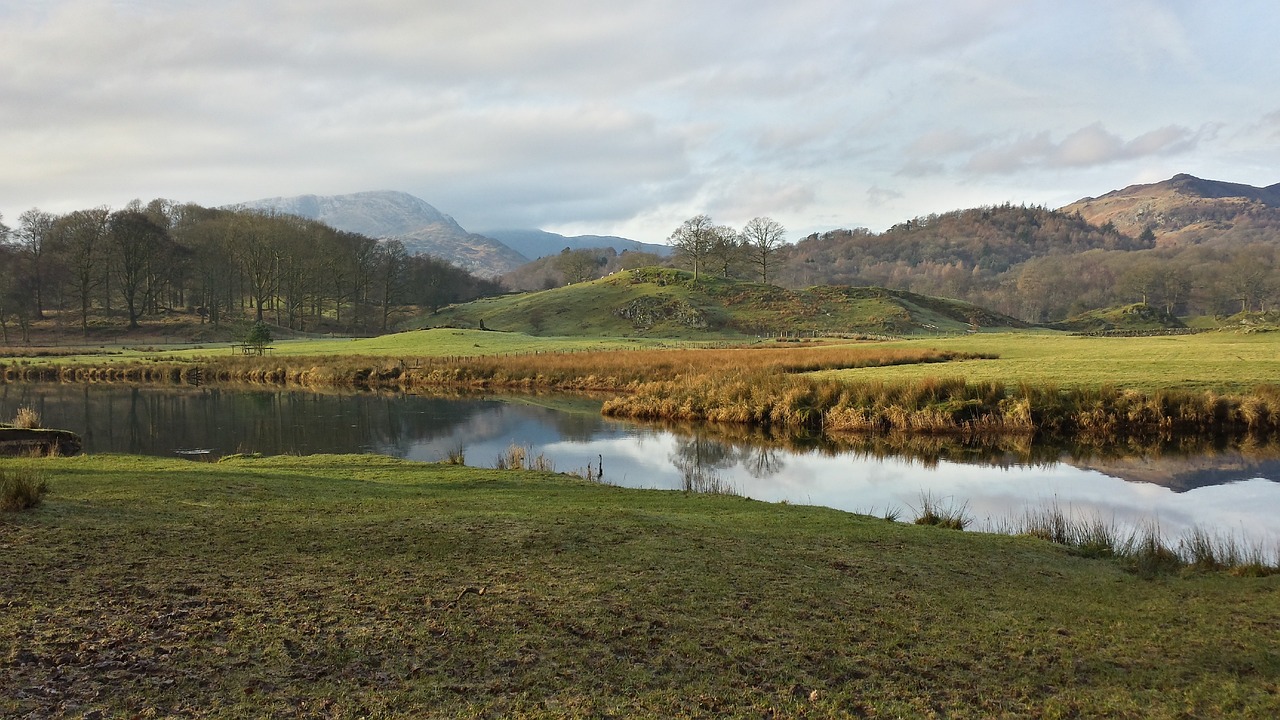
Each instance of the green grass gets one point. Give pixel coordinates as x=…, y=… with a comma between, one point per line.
x=1218, y=361
x=350, y=586
x=438, y=342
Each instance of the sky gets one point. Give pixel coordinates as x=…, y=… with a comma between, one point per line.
x=589, y=117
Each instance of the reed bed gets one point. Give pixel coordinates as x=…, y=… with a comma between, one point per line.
x=949, y=406
x=1144, y=549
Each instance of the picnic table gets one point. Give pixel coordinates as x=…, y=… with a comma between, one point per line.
x=250, y=349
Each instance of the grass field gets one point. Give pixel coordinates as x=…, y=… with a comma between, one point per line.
x=1220, y=361
x=365, y=586
x=438, y=342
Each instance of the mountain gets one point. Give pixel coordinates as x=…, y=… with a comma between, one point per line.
x=959, y=248
x=665, y=302
x=1185, y=210
x=535, y=244
x=399, y=216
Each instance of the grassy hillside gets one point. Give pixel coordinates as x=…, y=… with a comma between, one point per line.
x=1139, y=317
x=664, y=302
x=370, y=587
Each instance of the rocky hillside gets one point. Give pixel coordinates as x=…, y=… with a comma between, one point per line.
x=1186, y=210
x=395, y=215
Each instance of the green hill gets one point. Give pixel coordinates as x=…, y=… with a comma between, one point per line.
x=664, y=302
x=1137, y=317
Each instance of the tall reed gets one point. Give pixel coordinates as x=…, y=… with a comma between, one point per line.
x=1144, y=549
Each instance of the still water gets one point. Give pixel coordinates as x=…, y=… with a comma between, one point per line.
x=1226, y=490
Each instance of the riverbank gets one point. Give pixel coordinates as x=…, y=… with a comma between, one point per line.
x=1106, y=390
x=356, y=585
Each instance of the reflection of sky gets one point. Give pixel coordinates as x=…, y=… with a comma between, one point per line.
x=646, y=459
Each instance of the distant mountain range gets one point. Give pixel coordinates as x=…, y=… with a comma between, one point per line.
x=535, y=244
x=1186, y=210
x=423, y=229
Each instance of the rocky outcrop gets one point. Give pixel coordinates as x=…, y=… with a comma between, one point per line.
x=38, y=441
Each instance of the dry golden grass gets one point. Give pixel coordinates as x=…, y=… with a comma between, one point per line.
x=592, y=370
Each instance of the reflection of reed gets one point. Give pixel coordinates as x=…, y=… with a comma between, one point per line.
x=753, y=444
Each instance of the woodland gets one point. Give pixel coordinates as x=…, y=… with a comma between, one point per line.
x=216, y=264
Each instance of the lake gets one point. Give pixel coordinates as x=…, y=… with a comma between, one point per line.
x=1226, y=490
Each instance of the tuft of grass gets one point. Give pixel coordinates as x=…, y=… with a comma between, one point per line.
x=21, y=489
x=943, y=513
x=456, y=455
x=521, y=457
x=27, y=418
x=512, y=458
x=1148, y=554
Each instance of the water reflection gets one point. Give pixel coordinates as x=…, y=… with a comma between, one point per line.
x=1223, y=484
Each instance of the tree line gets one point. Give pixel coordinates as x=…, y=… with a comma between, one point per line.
x=217, y=263
x=1036, y=264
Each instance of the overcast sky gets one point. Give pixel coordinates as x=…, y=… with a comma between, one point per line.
x=583, y=116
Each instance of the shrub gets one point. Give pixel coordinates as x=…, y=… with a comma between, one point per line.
x=21, y=489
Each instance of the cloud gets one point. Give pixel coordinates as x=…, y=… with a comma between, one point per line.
x=1089, y=146
x=622, y=115
x=879, y=195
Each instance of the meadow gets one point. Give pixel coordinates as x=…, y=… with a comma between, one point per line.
x=1221, y=361
x=331, y=586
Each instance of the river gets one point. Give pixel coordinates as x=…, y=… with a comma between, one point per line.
x=1226, y=490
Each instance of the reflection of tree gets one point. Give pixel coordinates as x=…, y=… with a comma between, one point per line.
x=763, y=461
x=699, y=458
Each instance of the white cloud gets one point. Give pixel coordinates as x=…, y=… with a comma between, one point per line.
x=1089, y=146
x=573, y=113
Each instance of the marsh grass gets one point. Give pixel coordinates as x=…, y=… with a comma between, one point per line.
x=942, y=512
x=1143, y=549
x=456, y=455
x=521, y=457
x=21, y=489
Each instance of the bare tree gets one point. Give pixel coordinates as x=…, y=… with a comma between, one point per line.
x=80, y=237
x=134, y=242
x=254, y=250
x=34, y=235
x=577, y=265
x=725, y=250
x=692, y=240
x=390, y=277
x=762, y=238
